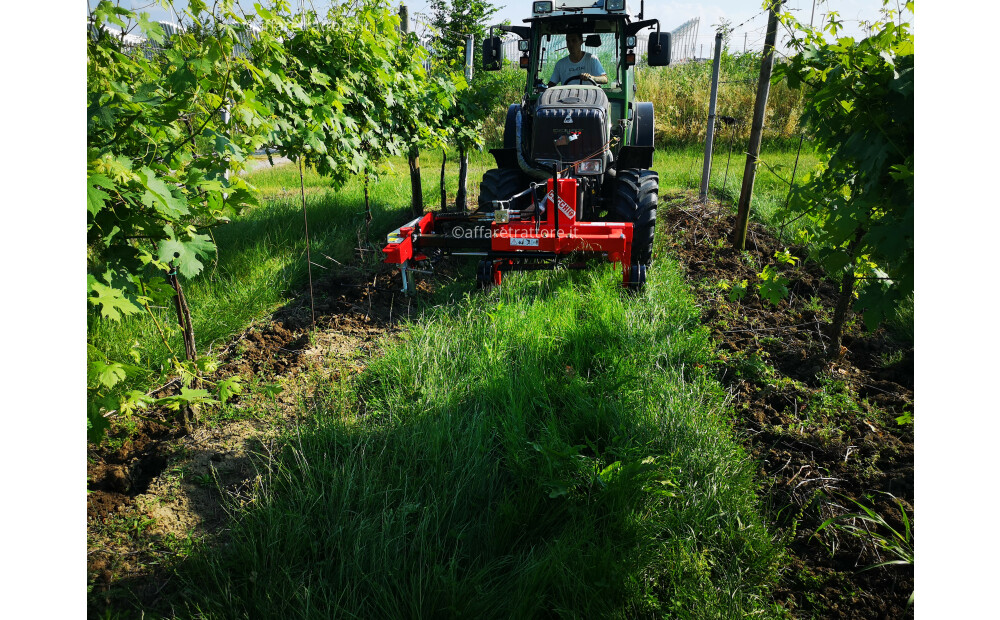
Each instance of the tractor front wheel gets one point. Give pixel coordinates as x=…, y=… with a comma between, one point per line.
x=499, y=184
x=635, y=201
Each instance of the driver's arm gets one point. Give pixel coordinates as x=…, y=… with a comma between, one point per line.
x=600, y=79
x=601, y=76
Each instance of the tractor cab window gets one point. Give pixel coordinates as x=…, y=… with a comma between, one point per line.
x=604, y=46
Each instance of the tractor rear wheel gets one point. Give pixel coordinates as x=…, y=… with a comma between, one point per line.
x=635, y=201
x=499, y=184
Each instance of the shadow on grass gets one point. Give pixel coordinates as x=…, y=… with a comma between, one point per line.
x=515, y=456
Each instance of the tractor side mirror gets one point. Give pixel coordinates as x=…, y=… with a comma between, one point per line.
x=492, y=54
x=659, y=49
x=593, y=40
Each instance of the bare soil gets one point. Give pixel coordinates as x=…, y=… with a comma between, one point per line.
x=823, y=432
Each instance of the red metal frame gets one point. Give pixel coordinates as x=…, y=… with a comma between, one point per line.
x=529, y=237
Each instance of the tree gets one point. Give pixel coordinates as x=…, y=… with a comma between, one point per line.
x=454, y=21
x=158, y=151
x=352, y=90
x=725, y=26
x=858, y=106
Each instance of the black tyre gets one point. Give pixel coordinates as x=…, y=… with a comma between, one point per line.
x=500, y=184
x=635, y=201
x=484, y=274
x=637, y=277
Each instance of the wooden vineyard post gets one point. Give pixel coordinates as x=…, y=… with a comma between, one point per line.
x=463, y=176
x=444, y=189
x=756, y=130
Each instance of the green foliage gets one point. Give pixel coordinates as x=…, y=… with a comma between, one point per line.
x=351, y=89
x=158, y=151
x=773, y=286
x=568, y=457
x=488, y=95
x=859, y=108
x=680, y=95
x=738, y=291
x=343, y=93
x=897, y=543
x=456, y=19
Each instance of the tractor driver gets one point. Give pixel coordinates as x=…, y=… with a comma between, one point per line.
x=579, y=62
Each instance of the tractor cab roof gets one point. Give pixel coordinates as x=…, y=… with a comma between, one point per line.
x=547, y=9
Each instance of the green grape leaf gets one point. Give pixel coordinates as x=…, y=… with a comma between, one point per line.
x=108, y=375
x=111, y=301
x=95, y=197
x=97, y=424
x=151, y=29
x=185, y=254
x=157, y=290
x=229, y=388
x=159, y=197
x=187, y=397
x=772, y=286
x=134, y=400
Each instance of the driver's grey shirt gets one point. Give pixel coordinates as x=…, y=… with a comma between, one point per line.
x=565, y=68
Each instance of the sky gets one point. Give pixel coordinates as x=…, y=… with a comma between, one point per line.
x=746, y=14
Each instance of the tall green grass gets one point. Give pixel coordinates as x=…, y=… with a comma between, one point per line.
x=553, y=448
x=680, y=94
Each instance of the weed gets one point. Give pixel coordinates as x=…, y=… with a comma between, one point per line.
x=557, y=459
x=890, y=358
x=749, y=260
x=897, y=544
x=205, y=480
x=738, y=291
x=773, y=286
x=814, y=304
x=752, y=367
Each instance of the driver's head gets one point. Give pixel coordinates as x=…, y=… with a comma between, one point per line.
x=574, y=40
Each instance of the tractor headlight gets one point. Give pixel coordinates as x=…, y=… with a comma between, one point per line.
x=523, y=46
x=591, y=166
x=614, y=5
x=546, y=7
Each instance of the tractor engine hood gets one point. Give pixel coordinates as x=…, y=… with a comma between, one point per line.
x=577, y=118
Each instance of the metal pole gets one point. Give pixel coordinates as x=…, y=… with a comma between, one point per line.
x=413, y=156
x=706, y=171
x=757, y=129
x=469, y=42
x=744, y=43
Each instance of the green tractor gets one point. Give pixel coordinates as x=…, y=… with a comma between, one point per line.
x=589, y=127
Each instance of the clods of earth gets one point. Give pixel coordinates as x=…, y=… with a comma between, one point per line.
x=828, y=435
